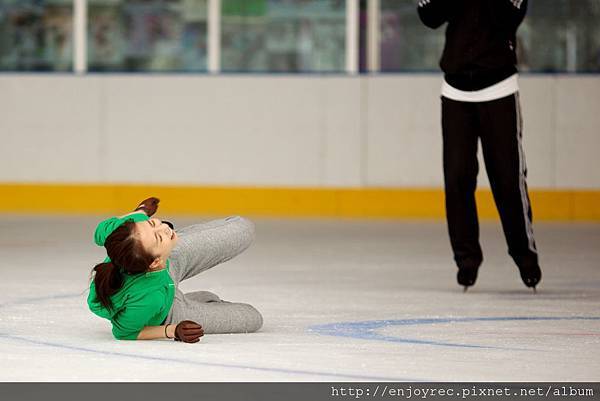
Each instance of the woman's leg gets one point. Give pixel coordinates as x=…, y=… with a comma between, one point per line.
x=202, y=246
x=460, y=136
x=213, y=314
x=505, y=163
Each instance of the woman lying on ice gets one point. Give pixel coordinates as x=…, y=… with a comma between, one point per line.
x=136, y=287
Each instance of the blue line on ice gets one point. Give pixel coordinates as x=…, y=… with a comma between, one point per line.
x=367, y=330
x=183, y=361
x=210, y=364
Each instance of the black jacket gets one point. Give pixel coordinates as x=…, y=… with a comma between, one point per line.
x=480, y=39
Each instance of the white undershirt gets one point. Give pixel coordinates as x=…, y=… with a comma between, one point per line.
x=497, y=91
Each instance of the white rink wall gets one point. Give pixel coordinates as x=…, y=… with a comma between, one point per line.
x=266, y=130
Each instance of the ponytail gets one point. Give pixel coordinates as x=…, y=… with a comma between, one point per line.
x=108, y=280
x=125, y=251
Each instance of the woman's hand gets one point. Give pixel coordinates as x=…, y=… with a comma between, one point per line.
x=149, y=206
x=188, y=332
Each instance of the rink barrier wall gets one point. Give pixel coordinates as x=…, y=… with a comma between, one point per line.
x=548, y=205
x=274, y=131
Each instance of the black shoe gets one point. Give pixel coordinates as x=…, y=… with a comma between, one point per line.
x=467, y=276
x=531, y=275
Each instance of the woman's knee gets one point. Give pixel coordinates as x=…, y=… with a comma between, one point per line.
x=245, y=230
x=254, y=319
x=202, y=297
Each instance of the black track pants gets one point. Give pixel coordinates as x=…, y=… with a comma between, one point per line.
x=498, y=124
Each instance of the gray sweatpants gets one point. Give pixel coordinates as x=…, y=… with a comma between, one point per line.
x=200, y=247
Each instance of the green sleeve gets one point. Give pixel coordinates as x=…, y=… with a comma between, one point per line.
x=106, y=227
x=128, y=323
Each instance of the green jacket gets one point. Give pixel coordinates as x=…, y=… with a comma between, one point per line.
x=144, y=300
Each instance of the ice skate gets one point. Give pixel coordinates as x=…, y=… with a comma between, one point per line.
x=531, y=276
x=466, y=276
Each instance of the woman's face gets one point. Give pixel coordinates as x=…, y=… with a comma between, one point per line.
x=156, y=237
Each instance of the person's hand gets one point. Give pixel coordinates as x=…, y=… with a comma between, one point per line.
x=188, y=332
x=149, y=206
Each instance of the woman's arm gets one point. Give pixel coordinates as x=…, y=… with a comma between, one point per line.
x=509, y=13
x=186, y=331
x=434, y=13
x=154, y=332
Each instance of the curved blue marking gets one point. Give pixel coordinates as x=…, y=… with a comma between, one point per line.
x=184, y=361
x=367, y=330
x=212, y=364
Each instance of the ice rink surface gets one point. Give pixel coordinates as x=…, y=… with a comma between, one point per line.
x=342, y=300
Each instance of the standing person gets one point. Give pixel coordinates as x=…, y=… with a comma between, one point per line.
x=480, y=100
x=136, y=286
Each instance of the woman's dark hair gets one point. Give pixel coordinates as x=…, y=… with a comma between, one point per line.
x=127, y=254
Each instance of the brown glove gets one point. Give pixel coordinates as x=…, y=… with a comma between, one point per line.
x=188, y=332
x=149, y=206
